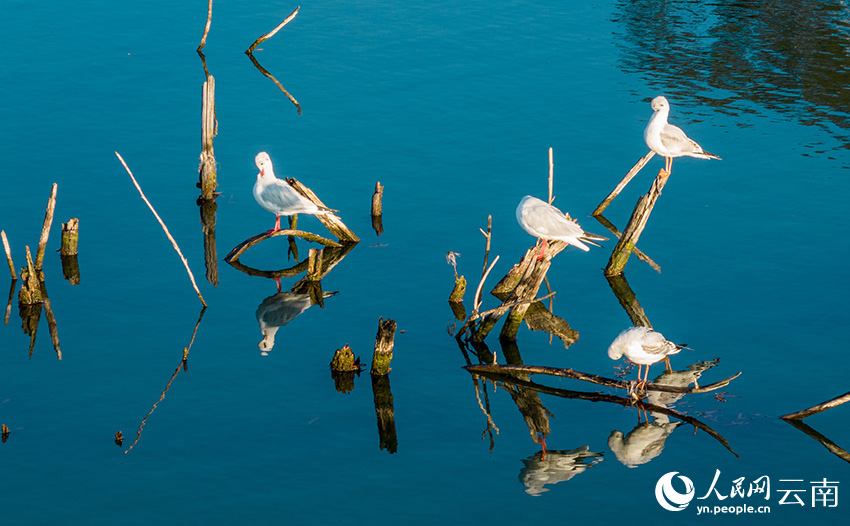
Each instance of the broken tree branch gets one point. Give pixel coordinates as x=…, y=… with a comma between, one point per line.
x=266, y=36
x=799, y=415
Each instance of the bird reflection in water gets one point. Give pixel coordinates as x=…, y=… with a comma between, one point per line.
x=646, y=441
x=555, y=466
x=278, y=310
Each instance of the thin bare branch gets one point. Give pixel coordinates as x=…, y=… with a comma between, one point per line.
x=272, y=33
x=799, y=415
x=164, y=228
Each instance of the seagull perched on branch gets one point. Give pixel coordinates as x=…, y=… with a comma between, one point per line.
x=670, y=141
x=643, y=346
x=540, y=219
x=278, y=196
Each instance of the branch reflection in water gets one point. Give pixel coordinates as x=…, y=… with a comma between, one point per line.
x=184, y=365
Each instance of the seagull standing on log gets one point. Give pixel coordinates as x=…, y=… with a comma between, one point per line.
x=670, y=141
x=278, y=196
x=643, y=346
x=540, y=219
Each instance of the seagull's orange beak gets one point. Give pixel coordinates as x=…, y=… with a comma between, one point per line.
x=262, y=170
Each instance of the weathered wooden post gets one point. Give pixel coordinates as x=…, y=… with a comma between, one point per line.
x=209, y=129
x=377, y=209
x=622, y=184
x=637, y=222
x=68, y=251
x=383, y=354
x=30, y=293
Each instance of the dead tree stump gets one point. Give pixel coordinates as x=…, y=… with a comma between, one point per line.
x=383, y=354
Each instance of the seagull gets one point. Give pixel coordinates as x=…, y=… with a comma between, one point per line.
x=643, y=346
x=540, y=219
x=278, y=196
x=670, y=141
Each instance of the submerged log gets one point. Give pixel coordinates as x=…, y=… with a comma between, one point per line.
x=637, y=222
x=383, y=354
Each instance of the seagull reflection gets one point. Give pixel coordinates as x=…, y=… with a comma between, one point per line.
x=646, y=441
x=642, y=444
x=555, y=467
x=278, y=310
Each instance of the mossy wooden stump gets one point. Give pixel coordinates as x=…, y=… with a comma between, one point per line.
x=637, y=222
x=344, y=366
x=458, y=291
x=70, y=236
x=383, y=354
x=30, y=293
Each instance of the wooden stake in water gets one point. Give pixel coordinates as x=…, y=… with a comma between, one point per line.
x=164, y=228
x=8, y=255
x=45, y=229
x=383, y=354
x=70, y=237
x=209, y=129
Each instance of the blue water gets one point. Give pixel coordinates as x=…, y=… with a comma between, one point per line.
x=452, y=107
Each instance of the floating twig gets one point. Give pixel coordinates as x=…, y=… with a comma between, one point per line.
x=266, y=36
x=8, y=255
x=45, y=229
x=164, y=228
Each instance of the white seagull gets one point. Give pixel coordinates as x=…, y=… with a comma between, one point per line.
x=643, y=346
x=670, y=141
x=278, y=196
x=540, y=219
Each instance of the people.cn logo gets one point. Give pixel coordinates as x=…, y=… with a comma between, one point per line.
x=669, y=498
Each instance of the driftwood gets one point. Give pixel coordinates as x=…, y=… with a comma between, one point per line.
x=799, y=415
x=600, y=380
x=377, y=206
x=539, y=318
x=493, y=374
x=8, y=255
x=330, y=220
x=458, y=291
x=45, y=229
x=266, y=36
x=637, y=222
x=164, y=228
x=330, y=258
x=383, y=354
x=622, y=184
x=240, y=249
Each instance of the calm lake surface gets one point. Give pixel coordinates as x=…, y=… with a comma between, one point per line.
x=452, y=106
